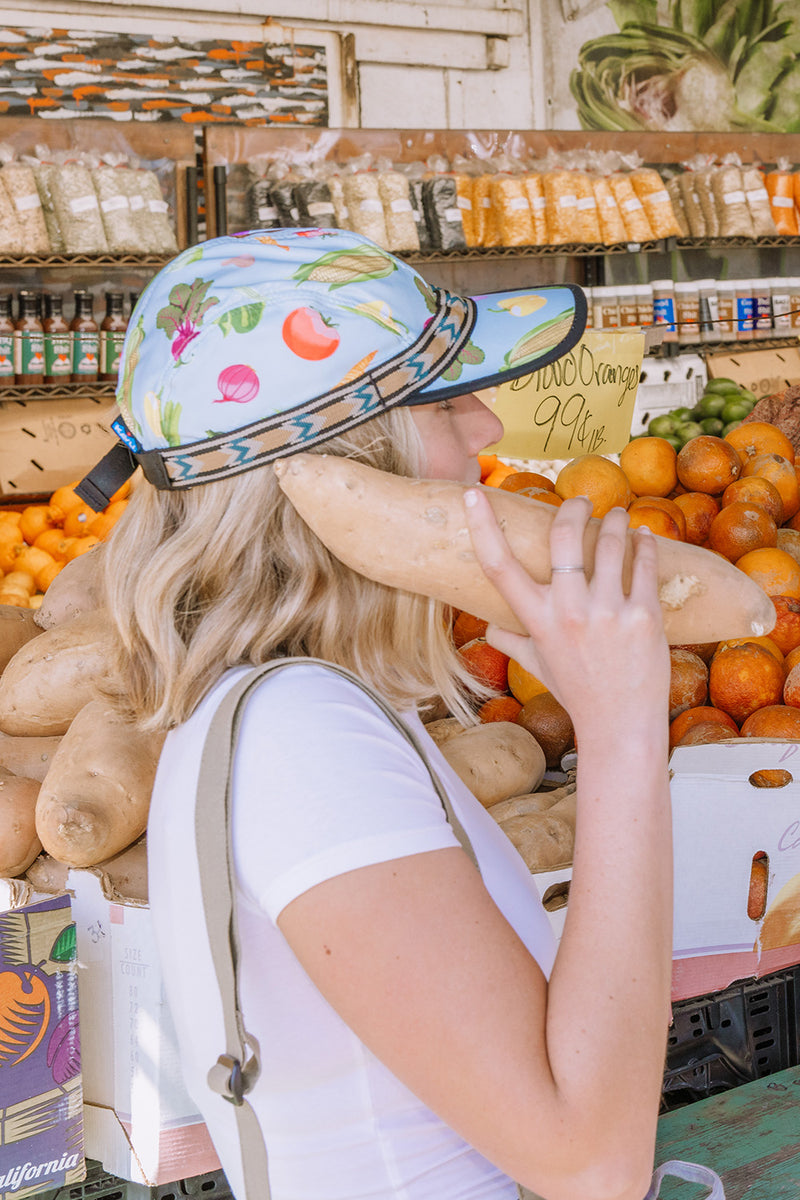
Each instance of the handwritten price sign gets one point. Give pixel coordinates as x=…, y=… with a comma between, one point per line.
x=581, y=404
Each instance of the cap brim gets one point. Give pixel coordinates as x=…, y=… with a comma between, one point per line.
x=515, y=333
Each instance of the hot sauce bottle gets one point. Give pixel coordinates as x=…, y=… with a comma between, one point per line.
x=57, y=341
x=85, y=340
x=112, y=335
x=28, y=342
x=7, y=378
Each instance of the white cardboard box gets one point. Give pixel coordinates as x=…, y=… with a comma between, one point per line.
x=139, y=1119
x=720, y=821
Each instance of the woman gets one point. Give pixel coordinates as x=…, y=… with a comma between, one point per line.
x=419, y=1035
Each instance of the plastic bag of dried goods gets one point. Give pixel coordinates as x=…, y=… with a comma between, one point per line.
x=261, y=210
x=587, y=216
x=704, y=186
x=534, y=190
x=732, y=208
x=693, y=209
x=484, y=215
x=314, y=204
x=651, y=190
x=780, y=188
x=151, y=212
x=42, y=172
x=561, y=205
x=442, y=213
x=513, y=211
x=612, y=226
x=757, y=197
x=676, y=199
x=20, y=183
x=119, y=223
x=331, y=172
x=398, y=211
x=634, y=217
x=77, y=208
x=365, y=207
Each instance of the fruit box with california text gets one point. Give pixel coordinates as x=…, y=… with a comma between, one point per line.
x=41, y=1118
x=723, y=818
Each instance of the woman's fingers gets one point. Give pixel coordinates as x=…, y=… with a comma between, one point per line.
x=612, y=542
x=497, y=561
x=644, y=579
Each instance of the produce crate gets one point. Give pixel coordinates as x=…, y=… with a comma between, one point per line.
x=732, y=1037
x=100, y=1185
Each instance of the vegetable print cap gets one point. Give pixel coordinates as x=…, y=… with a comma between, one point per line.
x=245, y=349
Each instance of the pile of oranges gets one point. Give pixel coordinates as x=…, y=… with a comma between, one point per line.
x=38, y=541
x=737, y=496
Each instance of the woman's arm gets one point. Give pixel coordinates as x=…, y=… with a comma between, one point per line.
x=559, y=1083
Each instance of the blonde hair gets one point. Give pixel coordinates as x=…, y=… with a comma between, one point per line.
x=227, y=573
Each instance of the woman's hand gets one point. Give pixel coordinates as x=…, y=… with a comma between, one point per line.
x=598, y=650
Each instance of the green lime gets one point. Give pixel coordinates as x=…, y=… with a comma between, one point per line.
x=674, y=441
x=735, y=410
x=748, y=395
x=682, y=414
x=689, y=430
x=662, y=426
x=722, y=385
x=712, y=426
x=711, y=404
x=731, y=425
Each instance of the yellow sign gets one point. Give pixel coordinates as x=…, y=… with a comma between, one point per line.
x=580, y=404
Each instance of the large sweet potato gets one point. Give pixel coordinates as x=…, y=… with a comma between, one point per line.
x=19, y=844
x=17, y=627
x=27, y=756
x=496, y=760
x=53, y=676
x=73, y=592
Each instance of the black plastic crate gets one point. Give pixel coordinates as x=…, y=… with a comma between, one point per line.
x=99, y=1185
x=743, y=1033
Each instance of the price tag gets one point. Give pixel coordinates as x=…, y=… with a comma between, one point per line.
x=580, y=404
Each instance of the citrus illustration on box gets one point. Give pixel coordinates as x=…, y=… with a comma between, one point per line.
x=41, y=1109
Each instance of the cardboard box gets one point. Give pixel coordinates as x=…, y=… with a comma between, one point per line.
x=764, y=372
x=667, y=384
x=140, y=1121
x=46, y=443
x=720, y=822
x=41, y=1118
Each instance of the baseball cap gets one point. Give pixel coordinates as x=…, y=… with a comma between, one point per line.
x=247, y=348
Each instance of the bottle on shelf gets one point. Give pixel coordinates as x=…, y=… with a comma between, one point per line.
x=85, y=340
x=112, y=335
x=57, y=341
x=726, y=308
x=7, y=378
x=28, y=342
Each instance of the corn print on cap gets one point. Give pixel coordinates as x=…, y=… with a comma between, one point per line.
x=248, y=348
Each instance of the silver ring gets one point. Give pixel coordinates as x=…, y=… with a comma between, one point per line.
x=564, y=570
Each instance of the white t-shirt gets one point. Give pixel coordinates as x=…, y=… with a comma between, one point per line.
x=322, y=784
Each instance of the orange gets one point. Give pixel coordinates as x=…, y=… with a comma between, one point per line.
x=78, y=520
x=706, y=731
x=773, y=570
x=704, y=650
x=527, y=479
x=786, y=631
x=775, y=721
x=760, y=437
x=688, y=683
x=20, y=581
x=599, y=479
x=543, y=496
x=792, y=659
x=791, y=688
x=105, y=521
x=500, y=472
x=11, y=541
x=753, y=640
x=500, y=708
x=649, y=464
x=744, y=678
x=707, y=464
x=9, y=515
x=699, y=510
x=754, y=489
x=54, y=543
x=36, y=518
x=80, y=545
x=703, y=714
x=32, y=559
x=522, y=685
x=488, y=665
x=466, y=627
x=666, y=505
x=487, y=463
x=47, y=574
x=14, y=599
x=550, y=724
x=780, y=472
x=64, y=498
x=739, y=527
x=789, y=540
x=656, y=520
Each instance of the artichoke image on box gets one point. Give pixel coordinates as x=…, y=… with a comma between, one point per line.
x=714, y=65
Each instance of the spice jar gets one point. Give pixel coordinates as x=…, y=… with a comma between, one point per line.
x=664, y=308
x=28, y=341
x=85, y=340
x=628, y=308
x=709, y=310
x=781, y=292
x=57, y=340
x=112, y=335
x=726, y=297
x=6, y=342
x=687, y=312
x=762, y=309
x=745, y=311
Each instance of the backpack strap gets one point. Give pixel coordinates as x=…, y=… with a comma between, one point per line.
x=236, y=1070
